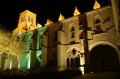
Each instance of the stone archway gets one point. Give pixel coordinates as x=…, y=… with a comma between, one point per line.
x=103, y=57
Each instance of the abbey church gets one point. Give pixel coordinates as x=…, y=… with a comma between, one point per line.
x=64, y=44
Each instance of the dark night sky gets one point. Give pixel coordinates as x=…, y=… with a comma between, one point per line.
x=9, y=10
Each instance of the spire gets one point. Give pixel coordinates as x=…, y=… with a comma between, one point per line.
x=61, y=17
x=76, y=12
x=96, y=5
x=39, y=25
x=48, y=22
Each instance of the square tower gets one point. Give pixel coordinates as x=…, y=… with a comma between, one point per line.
x=26, y=22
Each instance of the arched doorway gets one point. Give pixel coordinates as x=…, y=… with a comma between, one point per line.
x=103, y=58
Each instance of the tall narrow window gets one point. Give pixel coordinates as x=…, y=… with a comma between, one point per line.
x=72, y=29
x=72, y=62
x=76, y=61
x=68, y=63
x=32, y=20
x=22, y=19
x=29, y=18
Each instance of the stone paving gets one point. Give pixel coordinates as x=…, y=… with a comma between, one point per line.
x=100, y=75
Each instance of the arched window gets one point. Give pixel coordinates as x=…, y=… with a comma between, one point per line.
x=68, y=63
x=97, y=21
x=98, y=29
x=32, y=20
x=28, y=18
x=72, y=62
x=72, y=29
x=73, y=58
x=77, y=61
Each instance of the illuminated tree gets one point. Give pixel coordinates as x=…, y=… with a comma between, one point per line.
x=10, y=44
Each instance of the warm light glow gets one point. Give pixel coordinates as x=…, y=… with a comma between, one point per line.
x=82, y=70
x=48, y=22
x=11, y=64
x=27, y=22
x=39, y=25
x=61, y=17
x=76, y=12
x=19, y=31
x=18, y=62
x=96, y=5
x=82, y=62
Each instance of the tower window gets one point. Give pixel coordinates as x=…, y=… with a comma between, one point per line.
x=32, y=20
x=97, y=21
x=29, y=18
x=72, y=29
x=23, y=19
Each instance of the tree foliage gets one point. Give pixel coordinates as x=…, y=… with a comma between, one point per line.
x=10, y=44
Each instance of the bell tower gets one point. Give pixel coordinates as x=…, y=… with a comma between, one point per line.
x=26, y=22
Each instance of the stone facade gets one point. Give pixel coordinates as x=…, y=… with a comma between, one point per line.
x=63, y=37
x=61, y=45
x=66, y=35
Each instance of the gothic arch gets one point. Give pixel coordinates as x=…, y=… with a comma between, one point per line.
x=103, y=55
x=72, y=27
x=73, y=57
x=105, y=43
x=97, y=19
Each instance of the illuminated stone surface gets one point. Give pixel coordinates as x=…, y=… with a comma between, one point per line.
x=96, y=5
x=27, y=22
x=52, y=44
x=48, y=22
x=76, y=12
x=61, y=17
